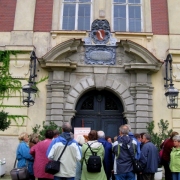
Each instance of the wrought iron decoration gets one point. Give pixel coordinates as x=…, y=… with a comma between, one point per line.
x=171, y=92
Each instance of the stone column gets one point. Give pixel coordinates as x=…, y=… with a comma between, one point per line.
x=55, y=102
x=143, y=101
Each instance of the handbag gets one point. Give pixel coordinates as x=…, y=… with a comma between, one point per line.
x=53, y=167
x=19, y=173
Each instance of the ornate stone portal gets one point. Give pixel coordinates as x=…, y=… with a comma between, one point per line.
x=76, y=67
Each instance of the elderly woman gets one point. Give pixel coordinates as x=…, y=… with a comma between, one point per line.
x=96, y=147
x=167, y=146
x=175, y=158
x=38, y=151
x=23, y=156
x=33, y=139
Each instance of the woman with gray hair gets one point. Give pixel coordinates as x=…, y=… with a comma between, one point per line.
x=167, y=146
x=23, y=156
x=175, y=158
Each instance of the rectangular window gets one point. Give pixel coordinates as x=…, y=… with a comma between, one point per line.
x=127, y=15
x=76, y=15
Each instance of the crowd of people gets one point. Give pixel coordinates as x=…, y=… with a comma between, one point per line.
x=116, y=156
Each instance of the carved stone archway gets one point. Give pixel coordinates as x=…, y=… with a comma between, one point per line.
x=129, y=79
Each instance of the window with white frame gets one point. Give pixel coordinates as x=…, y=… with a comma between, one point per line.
x=76, y=15
x=127, y=15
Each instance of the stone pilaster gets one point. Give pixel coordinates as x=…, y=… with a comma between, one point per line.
x=55, y=97
x=143, y=101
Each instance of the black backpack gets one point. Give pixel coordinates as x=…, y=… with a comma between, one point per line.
x=94, y=162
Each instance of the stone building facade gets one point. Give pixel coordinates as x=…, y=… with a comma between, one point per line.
x=99, y=77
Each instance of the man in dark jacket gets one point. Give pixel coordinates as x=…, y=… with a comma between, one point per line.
x=108, y=158
x=124, y=152
x=149, y=158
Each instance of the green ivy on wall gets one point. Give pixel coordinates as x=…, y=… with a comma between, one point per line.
x=8, y=85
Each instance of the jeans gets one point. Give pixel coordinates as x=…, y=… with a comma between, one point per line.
x=63, y=178
x=176, y=175
x=125, y=176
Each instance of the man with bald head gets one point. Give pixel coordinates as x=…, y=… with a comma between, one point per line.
x=108, y=158
x=70, y=156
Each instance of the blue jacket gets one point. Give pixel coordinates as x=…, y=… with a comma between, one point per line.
x=149, y=158
x=24, y=157
x=108, y=158
x=64, y=137
x=138, y=145
x=123, y=161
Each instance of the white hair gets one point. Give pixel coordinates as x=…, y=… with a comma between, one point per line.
x=128, y=126
x=80, y=139
x=101, y=134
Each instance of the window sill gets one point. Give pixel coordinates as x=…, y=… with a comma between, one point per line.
x=54, y=34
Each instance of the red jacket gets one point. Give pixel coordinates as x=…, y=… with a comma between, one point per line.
x=38, y=151
x=167, y=147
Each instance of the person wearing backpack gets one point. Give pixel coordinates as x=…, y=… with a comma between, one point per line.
x=93, y=151
x=124, y=152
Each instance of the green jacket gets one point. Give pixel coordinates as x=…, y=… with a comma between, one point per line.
x=96, y=147
x=175, y=160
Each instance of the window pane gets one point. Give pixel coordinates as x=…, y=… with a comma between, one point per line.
x=68, y=23
x=119, y=24
x=84, y=17
x=134, y=25
x=69, y=0
x=83, y=23
x=84, y=10
x=134, y=12
x=69, y=17
x=134, y=1
x=84, y=1
x=120, y=11
x=119, y=1
x=69, y=10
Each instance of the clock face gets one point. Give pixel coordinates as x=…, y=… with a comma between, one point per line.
x=100, y=34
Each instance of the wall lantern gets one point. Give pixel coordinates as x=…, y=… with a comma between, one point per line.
x=29, y=90
x=171, y=92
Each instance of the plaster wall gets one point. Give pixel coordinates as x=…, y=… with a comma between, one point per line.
x=174, y=15
x=24, y=15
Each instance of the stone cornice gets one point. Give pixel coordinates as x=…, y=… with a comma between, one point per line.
x=151, y=62
x=56, y=57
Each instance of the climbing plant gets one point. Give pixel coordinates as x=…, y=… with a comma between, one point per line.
x=8, y=86
x=4, y=122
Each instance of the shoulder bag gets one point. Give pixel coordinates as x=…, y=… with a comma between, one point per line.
x=19, y=173
x=137, y=168
x=53, y=167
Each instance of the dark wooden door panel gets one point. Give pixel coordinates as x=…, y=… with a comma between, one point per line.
x=99, y=110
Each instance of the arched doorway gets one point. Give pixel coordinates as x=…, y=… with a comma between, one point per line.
x=100, y=110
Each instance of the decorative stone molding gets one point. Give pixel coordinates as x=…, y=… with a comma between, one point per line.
x=151, y=63
x=57, y=56
x=120, y=90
